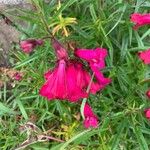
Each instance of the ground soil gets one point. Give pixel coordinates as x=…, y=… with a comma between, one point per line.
x=8, y=33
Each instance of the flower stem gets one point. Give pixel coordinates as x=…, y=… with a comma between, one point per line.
x=42, y=17
x=89, y=86
x=85, y=99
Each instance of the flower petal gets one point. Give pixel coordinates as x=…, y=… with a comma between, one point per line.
x=95, y=57
x=100, y=77
x=86, y=54
x=91, y=120
x=145, y=56
x=28, y=45
x=55, y=87
x=76, y=89
x=140, y=19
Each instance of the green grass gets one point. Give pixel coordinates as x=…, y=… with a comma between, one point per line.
x=119, y=106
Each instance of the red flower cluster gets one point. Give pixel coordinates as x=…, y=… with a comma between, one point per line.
x=69, y=79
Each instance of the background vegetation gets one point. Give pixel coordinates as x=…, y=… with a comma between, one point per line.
x=119, y=106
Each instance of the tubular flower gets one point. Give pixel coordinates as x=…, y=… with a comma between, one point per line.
x=47, y=74
x=96, y=59
x=28, y=45
x=55, y=86
x=91, y=120
x=75, y=84
x=68, y=80
x=61, y=84
x=140, y=20
x=83, y=78
x=145, y=56
x=147, y=113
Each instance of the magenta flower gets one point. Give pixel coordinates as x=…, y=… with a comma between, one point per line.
x=55, y=86
x=96, y=59
x=140, y=20
x=145, y=56
x=47, y=74
x=84, y=78
x=75, y=83
x=147, y=113
x=68, y=80
x=91, y=120
x=28, y=45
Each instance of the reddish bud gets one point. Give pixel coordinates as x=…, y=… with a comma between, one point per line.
x=61, y=52
x=148, y=93
x=17, y=76
x=28, y=45
x=147, y=113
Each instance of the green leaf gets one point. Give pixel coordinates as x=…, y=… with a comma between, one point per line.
x=93, y=13
x=115, y=25
x=27, y=61
x=22, y=109
x=117, y=137
x=141, y=140
x=5, y=109
x=64, y=6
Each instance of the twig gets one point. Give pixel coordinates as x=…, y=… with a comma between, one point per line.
x=11, y=23
x=36, y=139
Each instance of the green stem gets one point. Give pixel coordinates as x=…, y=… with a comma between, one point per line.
x=85, y=99
x=43, y=21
